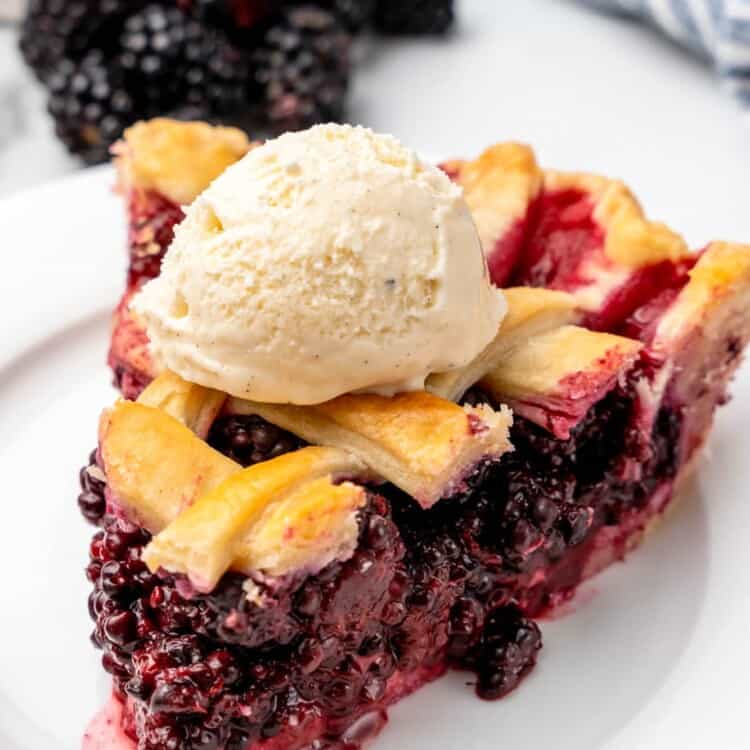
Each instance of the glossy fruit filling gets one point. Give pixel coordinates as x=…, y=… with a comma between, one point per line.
x=128, y=356
x=651, y=288
x=502, y=259
x=315, y=663
x=649, y=295
x=151, y=222
x=562, y=233
x=560, y=245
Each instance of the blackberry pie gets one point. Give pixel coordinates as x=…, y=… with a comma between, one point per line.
x=377, y=418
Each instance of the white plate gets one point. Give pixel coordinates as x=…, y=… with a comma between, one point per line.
x=655, y=656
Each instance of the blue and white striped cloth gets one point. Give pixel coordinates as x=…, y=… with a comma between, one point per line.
x=718, y=30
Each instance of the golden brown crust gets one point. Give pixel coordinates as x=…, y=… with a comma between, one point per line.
x=541, y=365
x=631, y=240
x=177, y=159
x=285, y=516
x=702, y=336
x=155, y=466
x=498, y=187
x=527, y=304
x=421, y=443
x=720, y=277
x=289, y=515
x=304, y=531
x=554, y=378
x=502, y=182
x=280, y=517
x=193, y=405
x=531, y=312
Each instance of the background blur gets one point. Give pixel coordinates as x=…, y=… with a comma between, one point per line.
x=589, y=91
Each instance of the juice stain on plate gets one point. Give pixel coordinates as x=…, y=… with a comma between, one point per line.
x=105, y=730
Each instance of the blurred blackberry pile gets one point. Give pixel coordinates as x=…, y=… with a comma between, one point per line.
x=266, y=65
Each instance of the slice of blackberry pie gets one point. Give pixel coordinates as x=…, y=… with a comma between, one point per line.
x=345, y=461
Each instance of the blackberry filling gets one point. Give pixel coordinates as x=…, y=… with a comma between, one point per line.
x=562, y=233
x=128, y=381
x=451, y=586
x=91, y=500
x=249, y=439
x=551, y=244
x=151, y=222
x=150, y=231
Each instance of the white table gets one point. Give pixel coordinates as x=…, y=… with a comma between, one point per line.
x=587, y=91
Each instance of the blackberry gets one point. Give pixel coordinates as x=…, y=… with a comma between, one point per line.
x=91, y=500
x=175, y=63
x=522, y=523
x=217, y=77
x=414, y=16
x=507, y=652
x=164, y=653
x=90, y=105
x=355, y=15
x=53, y=30
x=232, y=14
x=303, y=67
x=152, y=43
x=250, y=439
x=575, y=523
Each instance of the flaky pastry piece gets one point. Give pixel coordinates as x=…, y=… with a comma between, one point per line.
x=194, y=405
x=286, y=516
x=631, y=240
x=531, y=312
x=718, y=291
x=155, y=465
x=290, y=515
x=425, y=445
x=176, y=159
x=554, y=378
x=702, y=334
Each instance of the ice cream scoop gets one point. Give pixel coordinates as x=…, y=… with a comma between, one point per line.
x=324, y=262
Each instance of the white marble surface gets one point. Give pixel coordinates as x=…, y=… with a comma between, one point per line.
x=588, y=91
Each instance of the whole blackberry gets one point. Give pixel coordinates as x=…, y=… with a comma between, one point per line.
x=507, y=652
x=303, y=67
x=54, y=30
x=414, y=16
x=174, y=62
x=355, y=15
x=153, y=41
x=91, y=500
x=250, y=439
x=90, y=105
x=229, y=14
x=216, y=77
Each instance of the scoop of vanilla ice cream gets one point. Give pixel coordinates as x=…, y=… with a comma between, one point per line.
x=324, y=262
